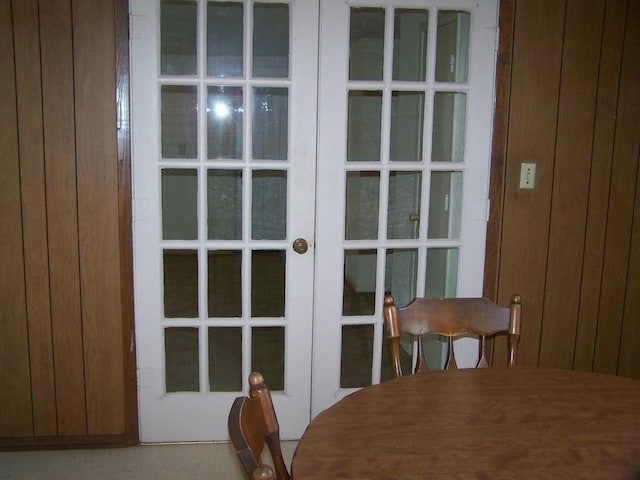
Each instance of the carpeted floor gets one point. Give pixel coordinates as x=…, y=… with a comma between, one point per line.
x=216, y=461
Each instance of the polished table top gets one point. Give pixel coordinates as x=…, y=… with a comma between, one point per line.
x=487, y=423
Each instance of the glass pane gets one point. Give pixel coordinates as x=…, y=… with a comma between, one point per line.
x=181, y=356
x=435, y=350
x=363, y=125
x=366, y=44
x=452, y=46
x=356, y=356
x=224, y=39
x=401, y=274
x=224, y=283
x=442, y=272
x=179, y=108
x=179, y=204
x=224, y=204
x=224, y=122
x=410, y=44
x=362, y=205
x=178, y=28
x=267, y=355
x=406, y=357
x=359, y=296
x=225, y=359
x=445, y=205
x=449, y=126
x=407, y=123
x=271, y=40
x=180, y=283
x=267, y=283
x=403, y=217
x=270, y=123
x=269, y=205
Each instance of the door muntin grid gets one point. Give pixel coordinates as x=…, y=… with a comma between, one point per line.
x=224, y=82
x=404, y=168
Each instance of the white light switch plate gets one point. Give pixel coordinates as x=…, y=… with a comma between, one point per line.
x=527, y=175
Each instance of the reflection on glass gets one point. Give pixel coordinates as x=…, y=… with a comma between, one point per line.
x=224, y=39
x=270, y=123
x=445, y=205
x=442, y=272
x=403, y=216
x=267, y=355
x=224, y=204
x=178, y=27
x=224, y=122
x=182, y=369
x=449, y=126
x=359, y=294
x=363, y=125
x=179, y=128
x=362, y=205
x=356, y=356
x=366, y=43
x=180, y=283
x=179, y=204
x=271, y=40
x=269, y=205
x=401, y=274
x=225, y=359
x=407, y=122
x=224, y=280
x=268, y=268
x=452, y=46
x=410, y=44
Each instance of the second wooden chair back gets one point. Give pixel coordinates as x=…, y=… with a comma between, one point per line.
x=252, y=424
x=450, y=317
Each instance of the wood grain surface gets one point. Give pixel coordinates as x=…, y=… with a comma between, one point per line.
x=487, y=423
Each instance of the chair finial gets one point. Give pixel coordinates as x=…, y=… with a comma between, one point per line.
x=255, y=379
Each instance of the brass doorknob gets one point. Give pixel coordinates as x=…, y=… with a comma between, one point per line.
x=300, y=246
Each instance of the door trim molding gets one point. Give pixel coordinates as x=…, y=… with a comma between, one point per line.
x=499, y=147
x=123, y=132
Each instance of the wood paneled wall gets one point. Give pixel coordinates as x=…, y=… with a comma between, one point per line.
x=61, y=347
x=569, y=101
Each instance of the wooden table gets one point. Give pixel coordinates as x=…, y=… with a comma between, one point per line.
x=492, y=423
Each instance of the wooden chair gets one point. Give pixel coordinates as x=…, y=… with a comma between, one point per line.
x=450, y=317
x=263, y=472
x=252, y=423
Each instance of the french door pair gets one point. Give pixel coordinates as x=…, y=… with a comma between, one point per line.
x=293, y=162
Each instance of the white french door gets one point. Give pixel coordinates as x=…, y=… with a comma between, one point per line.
x=257, y=250
x=224, y=174
x=405, y=114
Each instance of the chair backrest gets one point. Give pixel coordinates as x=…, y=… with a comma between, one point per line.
x=252, y=423
x=450, y=317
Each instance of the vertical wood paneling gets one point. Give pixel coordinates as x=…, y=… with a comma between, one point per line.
x=572, y=166
x=604, y=130
x=629, y=365
x=94, y=60
x=15, y=388
x=622, y=202
x=59, y=140
x=34, y=211
x=535, y=78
